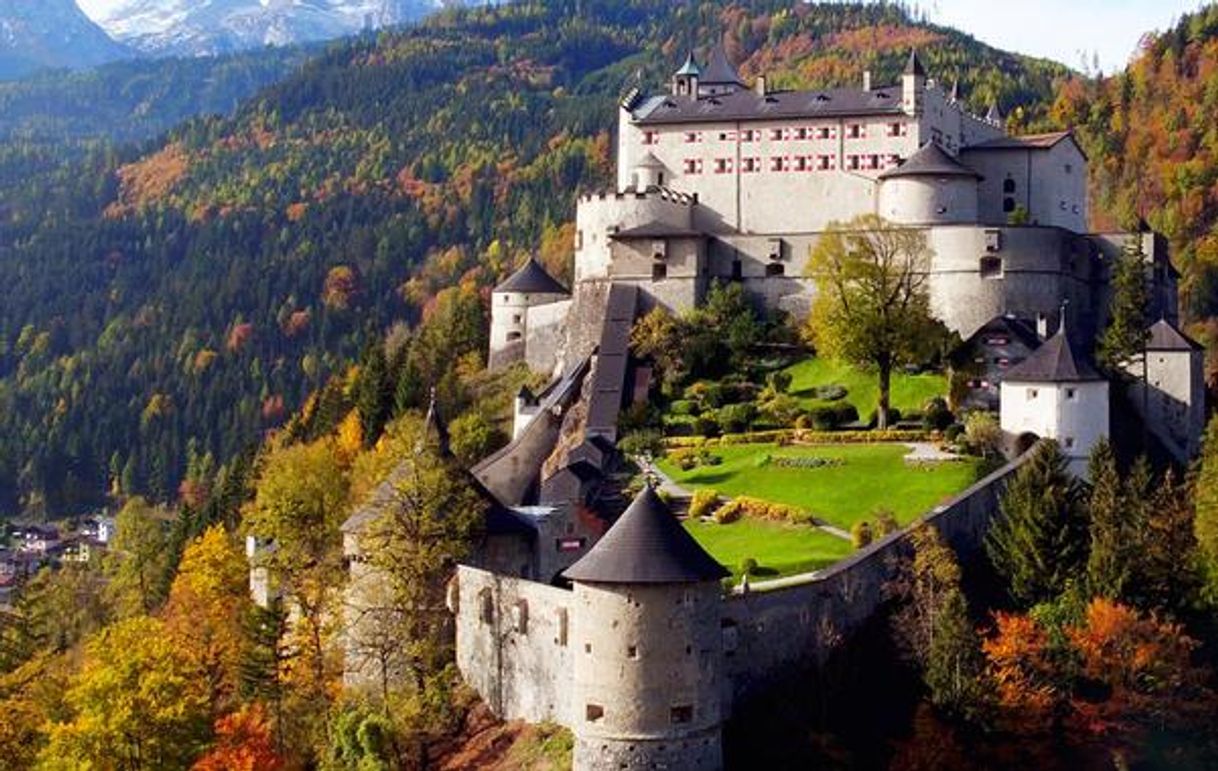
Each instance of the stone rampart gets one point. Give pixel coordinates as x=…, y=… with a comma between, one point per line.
x=787, y=626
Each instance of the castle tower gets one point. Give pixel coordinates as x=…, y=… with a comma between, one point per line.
x=1056, y=394
x=685, y=80
x=649, y=650
x=930, y=188
x=528, y=287
x=720, y=76
x=913, y=85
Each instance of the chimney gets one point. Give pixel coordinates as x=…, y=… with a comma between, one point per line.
x=759, y=85
x=866, y=80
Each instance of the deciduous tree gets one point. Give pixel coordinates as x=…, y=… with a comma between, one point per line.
x=873, y=305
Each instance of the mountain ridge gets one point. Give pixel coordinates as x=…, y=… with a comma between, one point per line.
x=51, y=33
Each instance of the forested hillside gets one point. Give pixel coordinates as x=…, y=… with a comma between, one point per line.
x=190, y=295
x=1152, y=135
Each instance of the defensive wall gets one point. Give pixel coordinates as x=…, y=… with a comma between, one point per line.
x=515, y=637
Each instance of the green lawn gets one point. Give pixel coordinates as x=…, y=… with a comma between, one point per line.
x=874, y=476
x=780, y=549
x=909, y=392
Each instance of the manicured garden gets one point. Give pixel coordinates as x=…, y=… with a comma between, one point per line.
x=779, y=549
x=910, y=393
x=859, y=481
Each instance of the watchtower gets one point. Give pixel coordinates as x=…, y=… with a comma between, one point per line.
x=528, y=287
x=649, y=652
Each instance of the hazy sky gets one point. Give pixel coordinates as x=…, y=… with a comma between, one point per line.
x=1061, y=29
x=1058, y=29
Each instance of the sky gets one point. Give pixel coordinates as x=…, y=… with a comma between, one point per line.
x=1057, y=29
x=1061, y=29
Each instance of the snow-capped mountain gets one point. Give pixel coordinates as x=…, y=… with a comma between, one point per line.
x=203, y=27
x=50, y=33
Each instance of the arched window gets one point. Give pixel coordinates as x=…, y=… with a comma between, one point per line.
x=1008, y=186
x=487, y=606
x=522, y=616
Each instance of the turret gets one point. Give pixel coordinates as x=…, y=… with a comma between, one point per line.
x=994, y=116
x=649, y=650
x=528, y=287
x=930, y=188
x=1056, y=393
x=685, y=80
x=913, y=85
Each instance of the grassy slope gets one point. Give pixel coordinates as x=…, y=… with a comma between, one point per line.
x=873, y=477
x=780, y=550
x=909, y=392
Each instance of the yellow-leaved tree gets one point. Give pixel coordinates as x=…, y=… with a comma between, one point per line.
x=872, y=306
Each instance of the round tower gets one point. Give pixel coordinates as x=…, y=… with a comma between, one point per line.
x=528, y=287
x=931, y=188
x=649, y=651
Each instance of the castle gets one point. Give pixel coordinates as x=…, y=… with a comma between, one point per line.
x=609, y=618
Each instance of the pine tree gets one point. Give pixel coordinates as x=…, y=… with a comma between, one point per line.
x=1169, y=577
x=373, y=394
x=1124, y=340
x=955, y=668
x=1108, y=563
x=1040, y=540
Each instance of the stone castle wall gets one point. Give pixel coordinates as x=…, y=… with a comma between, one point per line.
x=514, y=646
x=526, y=670
x=788, y=626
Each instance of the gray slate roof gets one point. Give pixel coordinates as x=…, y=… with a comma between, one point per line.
x=1054, y=362
x=532, y=279
x=647, y=545
x=1026, y=142
x=930, y=161
x=719, y=71
x=1164, y=336
x=914, y=65
x=748, y=105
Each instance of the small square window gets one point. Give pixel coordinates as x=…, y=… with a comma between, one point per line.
x=632, y=652
x=682, y=714
x=1032, y=394
x=659, y=272
x=1070, y=393
x=588, y=648
x=776, y=134
x=1069, y=442
x=593, y=712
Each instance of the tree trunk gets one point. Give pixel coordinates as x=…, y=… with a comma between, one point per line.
x=885, y=389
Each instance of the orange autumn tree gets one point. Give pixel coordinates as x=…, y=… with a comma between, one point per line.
x=243, y=743
x=207, y=603
x=1110, y=672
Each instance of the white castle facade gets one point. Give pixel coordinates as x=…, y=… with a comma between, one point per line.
x=719, y=181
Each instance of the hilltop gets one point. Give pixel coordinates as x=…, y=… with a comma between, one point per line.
x=192, y=293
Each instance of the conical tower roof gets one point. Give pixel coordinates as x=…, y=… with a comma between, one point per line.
x=720, y=71
x=531, y=278
x=931, y=161
x=690, y=67
x=914, y=65
x=1054, y=362
x=647, y=545
x=994, y=115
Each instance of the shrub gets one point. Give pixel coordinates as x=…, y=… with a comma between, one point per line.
x=953, y=432
x=646, y=442
x=703, y=503
x=707, y=458
x=706, y=425
x=729, y=512
x=936, y=416
x=736, y=392
x=683, y=407
x=705, y=394
x=737, y=417
x=686, y=460
x=639, y=416
x=779, y=382
x=983, y=434
x=748, y=566
x=861, y=534
x=782, y=410
x=885, y=523
x=830, y=393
